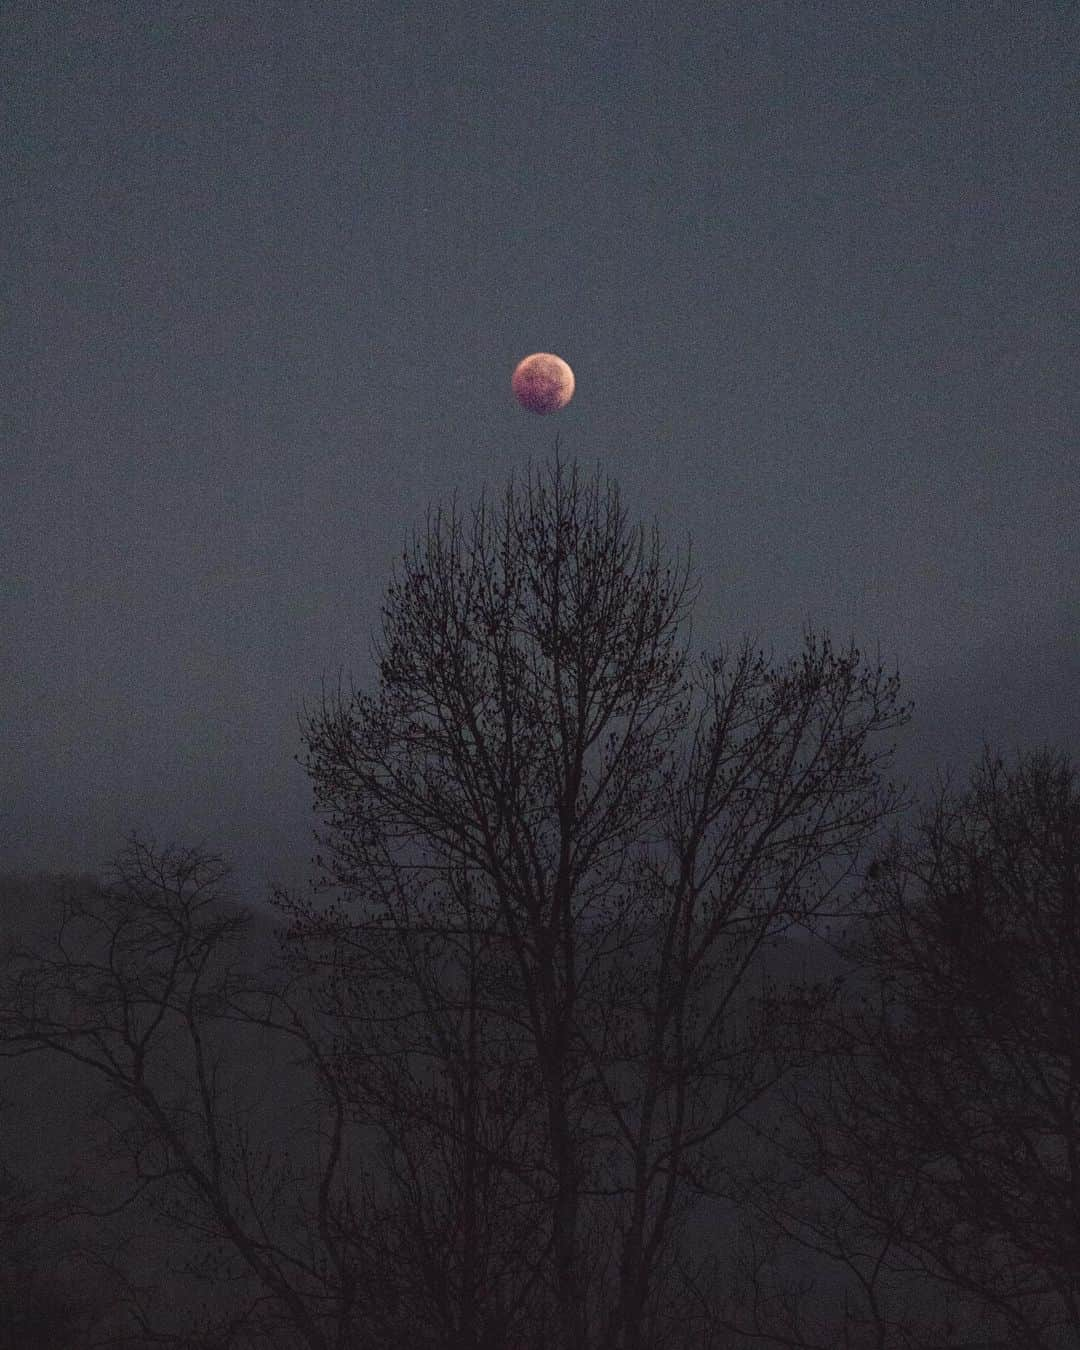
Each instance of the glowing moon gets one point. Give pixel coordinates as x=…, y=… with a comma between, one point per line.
x=543, y=383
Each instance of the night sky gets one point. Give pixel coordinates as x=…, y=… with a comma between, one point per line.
x=267, y=269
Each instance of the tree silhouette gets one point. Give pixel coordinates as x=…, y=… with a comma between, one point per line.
x=950, y=1118
x=138, y=979
x=40, y=1307
x=532, y=796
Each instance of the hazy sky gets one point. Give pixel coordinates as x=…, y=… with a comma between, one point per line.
x=267, y=268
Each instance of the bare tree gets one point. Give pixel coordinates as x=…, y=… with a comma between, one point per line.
x=520, y=793
x=449, y=1105
x=41, y=1306
x=139, y=979
x=947, y=1130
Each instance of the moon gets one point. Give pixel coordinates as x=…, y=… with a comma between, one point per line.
x=543, y=383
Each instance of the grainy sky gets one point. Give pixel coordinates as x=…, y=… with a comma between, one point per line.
x=267, y=268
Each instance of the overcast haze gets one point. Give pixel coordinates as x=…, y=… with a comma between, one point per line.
x=267, y=269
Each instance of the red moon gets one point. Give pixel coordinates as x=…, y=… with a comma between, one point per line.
x=543, y=383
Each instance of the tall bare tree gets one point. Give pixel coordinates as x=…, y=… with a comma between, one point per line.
x=947, y=1130
x=452, y=1105
x=532, y=779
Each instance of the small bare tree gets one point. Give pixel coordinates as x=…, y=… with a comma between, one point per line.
x=947, y=1124
x=40, y=1305
x=139, y=978
x=521, y=795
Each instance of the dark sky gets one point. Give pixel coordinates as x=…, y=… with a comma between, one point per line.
x=267, y=268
